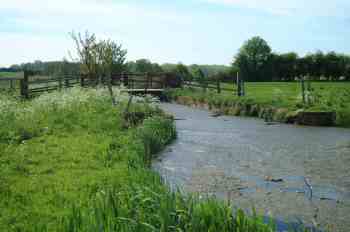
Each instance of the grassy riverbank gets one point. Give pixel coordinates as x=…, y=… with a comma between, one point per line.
x=69, y=161
x=277, y=100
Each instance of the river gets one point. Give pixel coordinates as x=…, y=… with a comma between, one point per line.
x=291, y=173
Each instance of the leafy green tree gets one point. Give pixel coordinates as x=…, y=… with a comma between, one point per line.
x=253, y=59
x=333, y=66
x=200, y=77
x=99, y=59
x=319, y=62
x=182, y=72
x=143, y=65
x=111, y=58
x=156, y=68
x=284, y=66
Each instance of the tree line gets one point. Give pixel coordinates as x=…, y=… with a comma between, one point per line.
x=187, y=72
x=256, y=62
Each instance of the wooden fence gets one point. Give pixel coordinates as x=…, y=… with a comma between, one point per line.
x=10, y=83
x=33, y=84
x=213, y=85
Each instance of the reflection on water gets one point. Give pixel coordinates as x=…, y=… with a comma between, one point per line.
x=285, y=171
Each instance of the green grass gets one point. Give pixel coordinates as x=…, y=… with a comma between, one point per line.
x=9, y=74
x=326, y=96
x=69, y=161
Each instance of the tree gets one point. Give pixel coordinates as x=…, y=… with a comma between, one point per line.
x=111, y=58
x=253, y=58
x=200, y=77
x=284, y=66
x=99, y=59
x=333, y=66
x=143, y=65
x=182, y=72
x=319, y=62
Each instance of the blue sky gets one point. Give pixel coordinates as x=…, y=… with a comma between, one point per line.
x=188, y=31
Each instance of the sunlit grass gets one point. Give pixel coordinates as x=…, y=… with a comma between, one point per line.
x=70, y=161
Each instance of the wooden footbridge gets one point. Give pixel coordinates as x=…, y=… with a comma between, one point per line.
x=33, y=84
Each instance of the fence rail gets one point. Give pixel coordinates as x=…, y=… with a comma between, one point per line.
x=10, y=83
x=31, y=84
x=214, y=85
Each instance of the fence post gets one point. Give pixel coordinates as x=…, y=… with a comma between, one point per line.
x=218, y=85
x=303, y=88
x=82, y=80
x=164, y=80
x=12, y=85
x=66, y=82
x=24, y=85
x=239, y=86
x=147, y=81
x=60, y=83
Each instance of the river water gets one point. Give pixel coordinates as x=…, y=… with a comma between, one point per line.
x=287, y=172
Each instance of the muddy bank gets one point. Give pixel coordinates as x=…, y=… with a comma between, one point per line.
x=268, y=113
x=288, y=172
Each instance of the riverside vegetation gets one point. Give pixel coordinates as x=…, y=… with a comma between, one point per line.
x=70, y=161
x=278, y=101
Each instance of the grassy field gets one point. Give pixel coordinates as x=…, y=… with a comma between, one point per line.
x=10, y=74
x=70, y=161
x=325, y=96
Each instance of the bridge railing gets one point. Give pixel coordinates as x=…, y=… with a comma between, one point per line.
x=33, y=83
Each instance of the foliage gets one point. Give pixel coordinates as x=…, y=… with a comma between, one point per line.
x=68, y=164
x=98, y=58
x=143, y=65
x=183, y=72
x=256, y=63
x=145, y=205
x=157, y=139
x=253, y=58
x=62, y=148
x=199, y=76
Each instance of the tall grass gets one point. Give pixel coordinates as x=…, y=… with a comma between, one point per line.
x=68, y=163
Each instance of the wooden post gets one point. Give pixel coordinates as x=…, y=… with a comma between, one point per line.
x=238, y=82
x=308, y=89
x=60, y=83
x=66, y=82
x=147, y=81
x=82, y=80
x=24, y=85
x=242, y=87
x=218, y=87
x=121, y=79
x=164, y=80
x=12, y=85
x=303, y=88
x=125, y=78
